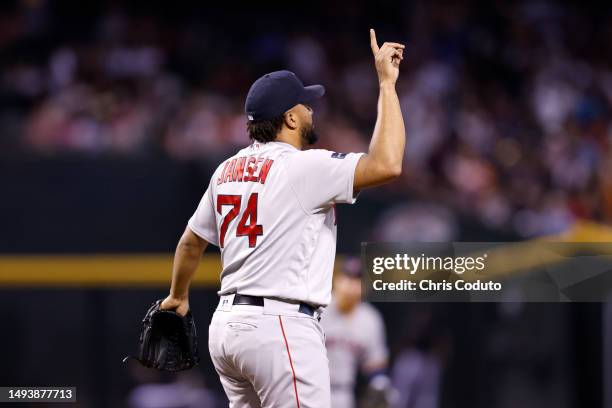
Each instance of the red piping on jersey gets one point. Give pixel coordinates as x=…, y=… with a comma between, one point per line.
x=297, y=399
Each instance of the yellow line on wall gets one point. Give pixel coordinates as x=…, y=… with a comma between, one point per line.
x=100, y=270
x=155, y=270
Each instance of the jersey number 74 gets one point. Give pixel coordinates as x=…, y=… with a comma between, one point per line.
x=251, y=230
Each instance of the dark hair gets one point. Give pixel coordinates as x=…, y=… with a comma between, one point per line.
x=265, y=130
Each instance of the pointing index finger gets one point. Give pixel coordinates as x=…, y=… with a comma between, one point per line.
x=373, y=42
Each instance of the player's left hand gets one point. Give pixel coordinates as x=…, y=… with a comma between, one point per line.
x=180, y=306
x=168, y=341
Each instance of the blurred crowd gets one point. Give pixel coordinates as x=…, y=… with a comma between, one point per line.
x=507, y=106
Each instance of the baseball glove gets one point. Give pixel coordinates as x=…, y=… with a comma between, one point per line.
x=378, y=394
x=168, y=341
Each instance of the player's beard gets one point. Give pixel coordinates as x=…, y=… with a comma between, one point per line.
x=309, y=136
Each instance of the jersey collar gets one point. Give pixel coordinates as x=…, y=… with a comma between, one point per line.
x=284, y=144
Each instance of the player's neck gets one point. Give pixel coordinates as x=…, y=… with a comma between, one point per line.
x=292, y=138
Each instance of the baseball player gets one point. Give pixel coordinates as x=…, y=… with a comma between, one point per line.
x=270, y=209
x=355, y=337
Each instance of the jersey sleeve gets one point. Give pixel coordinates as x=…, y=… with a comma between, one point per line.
x=375, y=353
x=203, y=223
x=321, y=178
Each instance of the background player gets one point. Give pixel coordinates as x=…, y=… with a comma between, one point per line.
x=354, y=336
x=271, y=210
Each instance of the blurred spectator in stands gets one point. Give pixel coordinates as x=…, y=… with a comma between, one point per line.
x=507, y=107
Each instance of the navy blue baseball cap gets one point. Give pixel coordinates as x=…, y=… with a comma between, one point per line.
x=351, y=267
x=275, y=93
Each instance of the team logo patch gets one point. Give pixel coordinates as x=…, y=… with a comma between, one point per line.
x=336, y=155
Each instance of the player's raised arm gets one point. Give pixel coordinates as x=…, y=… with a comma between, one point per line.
x=383, y=162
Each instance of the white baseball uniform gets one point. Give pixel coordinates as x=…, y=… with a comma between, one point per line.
x=355, y=340
x=271, y=210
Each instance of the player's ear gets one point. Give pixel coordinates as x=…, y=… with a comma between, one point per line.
x=291, y=119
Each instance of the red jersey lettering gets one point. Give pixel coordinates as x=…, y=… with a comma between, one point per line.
x=263, y=173
x=220, y=179
x=229, y=172
x=250, y=170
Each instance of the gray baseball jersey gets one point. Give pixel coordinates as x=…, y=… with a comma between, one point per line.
x=353, y=341
x=271, y=210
